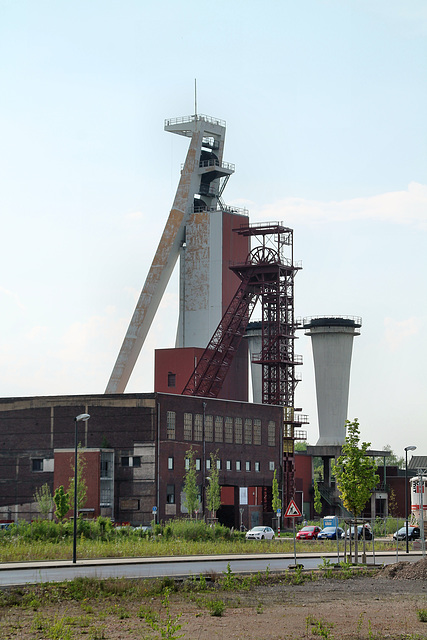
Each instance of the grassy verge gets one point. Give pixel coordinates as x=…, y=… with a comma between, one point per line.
x=44, y=540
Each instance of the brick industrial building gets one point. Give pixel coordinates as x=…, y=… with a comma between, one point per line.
x=135, y=448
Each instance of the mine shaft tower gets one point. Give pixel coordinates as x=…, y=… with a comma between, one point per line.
x=267, y=276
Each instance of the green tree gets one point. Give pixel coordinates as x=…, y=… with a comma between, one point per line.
x=43, y=499
x=355, y=474
x=391, y=460
x=300, y=445
x=62, y=503
x=81, y=482
x=191, y=491
x=213, y=490
x=276, y=504
x=317, y=499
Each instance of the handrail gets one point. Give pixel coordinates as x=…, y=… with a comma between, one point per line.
x=306, y=320
x=213, y=162
x=193, y=118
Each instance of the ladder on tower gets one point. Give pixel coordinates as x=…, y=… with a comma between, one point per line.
x=208, y=376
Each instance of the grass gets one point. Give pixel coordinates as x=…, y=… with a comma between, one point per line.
x=16, y=550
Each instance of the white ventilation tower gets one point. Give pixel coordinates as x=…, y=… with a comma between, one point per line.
x=332, y=343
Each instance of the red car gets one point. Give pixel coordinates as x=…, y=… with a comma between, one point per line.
x=308, y=533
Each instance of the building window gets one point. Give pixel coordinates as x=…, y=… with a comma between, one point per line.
x=129, y=461
x=248, y=465
x=170, y=425
x=219, y=429
x=257, y=431
x=228, y=430
x=271, y=465
x=228, y=465
x=238, y=431
x=187, y=463
x=170, y=463
x=198, y=464
x=208, y=464
x=209, y=428
x=198, y=427
x=170, y=494
x=37, y=464
x=271, y=433
x=188, y=426
x=171, y=379
x=218, y=465
x=256, y=466
x=248, y=431
x=238, y=465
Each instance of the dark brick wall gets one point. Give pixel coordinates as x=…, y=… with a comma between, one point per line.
x=33, y=427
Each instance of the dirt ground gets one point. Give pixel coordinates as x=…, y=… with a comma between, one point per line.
x=384, y=605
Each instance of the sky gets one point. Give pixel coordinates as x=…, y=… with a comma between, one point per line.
x=325, y=103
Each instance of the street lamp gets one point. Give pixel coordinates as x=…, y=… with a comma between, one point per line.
x=410, y=448
x=82, y=417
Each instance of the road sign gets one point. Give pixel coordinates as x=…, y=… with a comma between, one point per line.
x=279, y=511
x=292, y=511
x=154, y=509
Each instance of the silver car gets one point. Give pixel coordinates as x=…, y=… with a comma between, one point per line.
x=260, y=533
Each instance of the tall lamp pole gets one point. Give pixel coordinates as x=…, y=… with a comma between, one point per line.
x=82, y=417
x=410, y=448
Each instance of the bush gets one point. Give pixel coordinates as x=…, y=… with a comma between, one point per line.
x=187, y=529
x=216, y=607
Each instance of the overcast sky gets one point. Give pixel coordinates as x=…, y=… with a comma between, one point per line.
x=325, y=103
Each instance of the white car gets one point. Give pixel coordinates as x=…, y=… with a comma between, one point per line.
x=260, y=533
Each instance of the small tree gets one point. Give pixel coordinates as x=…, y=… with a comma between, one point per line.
x=355, y=474
x=276, y=504
x=317, y=499
x=62, y=502
x=213, y=490
x=44, y=500
x=191, y=492
x=81, y=482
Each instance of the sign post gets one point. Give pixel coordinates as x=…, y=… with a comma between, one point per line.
x=278, y=512
x=154, y=514
x=293, y=512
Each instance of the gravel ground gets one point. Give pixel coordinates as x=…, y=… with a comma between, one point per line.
x=384, y=605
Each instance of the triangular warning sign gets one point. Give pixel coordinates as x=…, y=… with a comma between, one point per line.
x=292, y=511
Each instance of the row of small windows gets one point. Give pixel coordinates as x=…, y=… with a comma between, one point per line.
x=228, y=465
x=220, y=429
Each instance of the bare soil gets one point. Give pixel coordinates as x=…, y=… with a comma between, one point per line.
x=383, y=605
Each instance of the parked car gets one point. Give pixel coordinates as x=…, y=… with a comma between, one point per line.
x=308, y=533
x=260, y=533
x=360, y=527
x=413, y=533
x=330, y=533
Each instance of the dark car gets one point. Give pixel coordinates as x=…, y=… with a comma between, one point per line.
x=360, y=528
x=308, y=533
x=330, y=533
x=413, y=533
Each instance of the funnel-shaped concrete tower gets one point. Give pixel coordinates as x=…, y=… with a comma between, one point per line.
x=332, y=343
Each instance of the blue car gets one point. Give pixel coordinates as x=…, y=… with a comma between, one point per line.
x=330, y=533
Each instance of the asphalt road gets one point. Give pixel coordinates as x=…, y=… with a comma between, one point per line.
x=31, y=573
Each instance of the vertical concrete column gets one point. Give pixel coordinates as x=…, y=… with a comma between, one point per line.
x=332, y=344
x=253, y=336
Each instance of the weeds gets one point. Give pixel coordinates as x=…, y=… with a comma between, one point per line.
x=318, y=627
x=167, y=628
x=216, y=608
x=229, y=581
x=422, y=615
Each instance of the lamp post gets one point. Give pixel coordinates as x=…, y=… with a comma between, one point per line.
x=82, y=417
x=410, y=448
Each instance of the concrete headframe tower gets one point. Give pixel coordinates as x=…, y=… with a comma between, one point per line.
x=332, y=343
x=199, y=231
